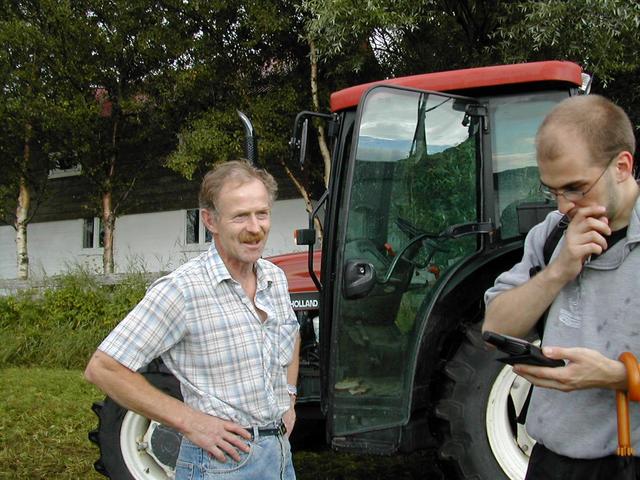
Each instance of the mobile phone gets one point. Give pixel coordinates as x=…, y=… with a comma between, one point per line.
x=520, y=351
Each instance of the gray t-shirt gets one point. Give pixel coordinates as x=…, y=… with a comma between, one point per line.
x=600, y=310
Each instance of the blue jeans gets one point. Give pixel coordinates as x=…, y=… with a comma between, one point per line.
x=269, y=458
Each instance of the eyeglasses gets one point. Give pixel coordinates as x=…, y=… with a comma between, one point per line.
x=572, y=195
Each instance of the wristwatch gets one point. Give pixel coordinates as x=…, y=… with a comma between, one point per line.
x=292, y=390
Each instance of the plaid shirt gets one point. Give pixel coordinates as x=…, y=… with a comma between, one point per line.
x=200, y=321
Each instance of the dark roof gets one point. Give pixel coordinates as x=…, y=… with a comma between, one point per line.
x=156, y=189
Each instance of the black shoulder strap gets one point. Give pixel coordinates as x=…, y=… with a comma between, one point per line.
x=553, y=238
x=550, y=244
x=547, y=250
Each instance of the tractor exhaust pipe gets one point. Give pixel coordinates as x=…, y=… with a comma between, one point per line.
x=250, y=139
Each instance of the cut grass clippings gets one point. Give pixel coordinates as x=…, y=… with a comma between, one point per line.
x=45, y=416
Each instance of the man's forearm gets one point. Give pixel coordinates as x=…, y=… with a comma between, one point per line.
x=515, y=312
x=132, y=391
x=292, y=369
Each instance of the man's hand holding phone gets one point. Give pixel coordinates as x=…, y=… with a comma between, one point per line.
x=519, y=351
x=584, y=367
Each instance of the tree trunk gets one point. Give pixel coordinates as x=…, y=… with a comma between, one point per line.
x=322, y=139
x=22, y=210
x=108, y=223
x=305, y=197
x=108, y=215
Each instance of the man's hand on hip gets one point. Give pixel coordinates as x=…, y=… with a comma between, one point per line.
x=289, y=419
x=218, y=436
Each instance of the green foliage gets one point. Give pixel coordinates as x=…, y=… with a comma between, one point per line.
x=38, y=95
x=217, y=135
x=399, y=37
x=442, y=195
x=415, y=37
x=138, y=50
x=444, y=191
x=353, y=30
x=263, y=72
x=602, y=36
x=63, y=326
x=214, y=137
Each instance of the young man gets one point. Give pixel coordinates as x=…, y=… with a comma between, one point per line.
x=585, y=152
x=224, y=326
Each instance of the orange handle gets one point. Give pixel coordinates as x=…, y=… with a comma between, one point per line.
x=622, y=399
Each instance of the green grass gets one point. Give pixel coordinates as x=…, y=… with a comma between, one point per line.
x=44, y=419
x=45, y=416
x=45, y=404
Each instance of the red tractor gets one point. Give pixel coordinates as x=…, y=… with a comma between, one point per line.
x=433, y=186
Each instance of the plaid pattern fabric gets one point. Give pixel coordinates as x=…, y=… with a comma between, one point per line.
x=228, y=362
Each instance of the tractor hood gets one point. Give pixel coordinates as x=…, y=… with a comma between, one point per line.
x=296, y=268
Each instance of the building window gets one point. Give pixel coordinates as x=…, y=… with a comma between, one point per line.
x=63, y=167
x=196, y=232
x=92, y=233
x=65, y=172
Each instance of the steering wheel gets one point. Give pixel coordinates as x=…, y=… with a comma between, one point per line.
x=425, y=238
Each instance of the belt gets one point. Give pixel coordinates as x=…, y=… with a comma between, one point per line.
x=265, y=432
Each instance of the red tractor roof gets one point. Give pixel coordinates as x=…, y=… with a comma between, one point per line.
x=469, y=78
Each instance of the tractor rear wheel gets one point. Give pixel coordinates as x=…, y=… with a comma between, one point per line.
x=131, y=446
x=481, y=438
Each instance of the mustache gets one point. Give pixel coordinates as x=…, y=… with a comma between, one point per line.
x=251, y=237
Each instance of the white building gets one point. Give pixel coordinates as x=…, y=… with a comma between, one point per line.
x=159, y=231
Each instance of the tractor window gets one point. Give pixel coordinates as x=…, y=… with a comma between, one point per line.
x=514, y=122
x=414, y=174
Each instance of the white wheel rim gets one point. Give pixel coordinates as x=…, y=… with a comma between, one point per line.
x=511, y=452
x=141, y=465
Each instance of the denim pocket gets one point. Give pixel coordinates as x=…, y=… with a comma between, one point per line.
x=213, y=466
x=184, y=470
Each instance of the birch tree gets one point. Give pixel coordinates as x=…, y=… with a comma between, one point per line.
x=136, y=48
x=36, y=98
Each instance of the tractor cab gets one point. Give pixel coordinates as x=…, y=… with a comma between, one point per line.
x=433, y=186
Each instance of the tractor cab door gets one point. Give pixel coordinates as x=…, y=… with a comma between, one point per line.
x=413, y=178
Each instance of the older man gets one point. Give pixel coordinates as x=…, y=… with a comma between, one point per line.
x=223, y=325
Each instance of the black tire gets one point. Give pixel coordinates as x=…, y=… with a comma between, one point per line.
x=478, y=411
x=165, y=442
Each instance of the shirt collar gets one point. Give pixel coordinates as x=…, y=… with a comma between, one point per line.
x=264, y=275
x=633, y=231
x=215, y=266
x=218, y=270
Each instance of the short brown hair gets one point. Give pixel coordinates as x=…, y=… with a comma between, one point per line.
x=239, y=171
x=601, y=124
